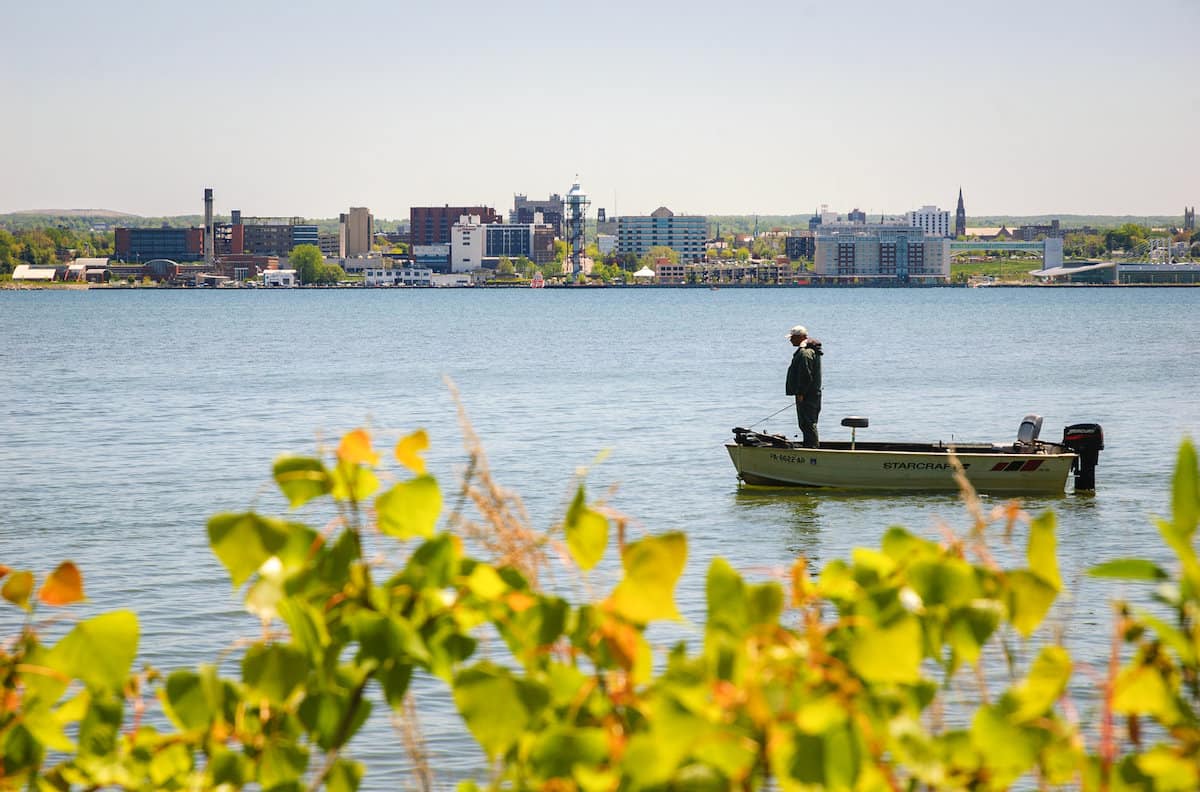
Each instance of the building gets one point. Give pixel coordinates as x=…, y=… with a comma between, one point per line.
x=330, y=245
x=960, y=218
x=931, y=220
x=467, y=241
x=430, y=225
x=280, y=278
x=393, y=274
x=880, y=254
x=800, y=245
x=551, y=212
x=857, y=216
x=1189, y=219
x=685, y=234
x=534, y=241
x=607, y=243
x=356, y=230
x=144, y=244
x=1031, y=232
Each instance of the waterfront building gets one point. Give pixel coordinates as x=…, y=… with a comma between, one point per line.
x=931, y=220
x=534, y=241
x=800, y=244
x=960, y=218
x=881, y=254
x=467, y=240
x=430, y=225
x=396, y=274
x=330, y=245
x=550, y=211
x=435, y=257
x=685, y=234
x=356, y=230
x=144, y=244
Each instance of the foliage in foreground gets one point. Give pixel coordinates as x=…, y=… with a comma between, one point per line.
x=834, y=682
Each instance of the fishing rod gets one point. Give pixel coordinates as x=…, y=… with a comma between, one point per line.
x=772, y=415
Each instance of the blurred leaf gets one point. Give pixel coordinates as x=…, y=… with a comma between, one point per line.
x=888, y=654
x=410, y=509
x=344, y=776
x=18, y=588
x=1007, y=750
x=99, y=651
x=1169, y=770
x=557, y=751
x=328, y=718
x=188, y=704
x=652, y=567
x=484, y=582
x=63, y=587
x=1030, y=597
x=408, y=451
x=244, y=541
x=282, y=762
x=274, y=671
x=169, y=765
x=587, y=532
x=495, y=706
x=970, y=628
x=1185, y=492
x=725, y=593
x=45, y=728
x=1142, y=690
x=1041, y=552
x=355, y=449
x=354, y=482
x=1043, y=686
x=1129, y=569
x=302, y=478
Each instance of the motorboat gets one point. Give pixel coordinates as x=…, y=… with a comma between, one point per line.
x=1027, y=465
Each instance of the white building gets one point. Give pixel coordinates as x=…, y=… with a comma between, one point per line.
x=467, y=241
x=882, y=253
x=607, y=243
x=931, y=220
x=390, y=275
x=280, y=278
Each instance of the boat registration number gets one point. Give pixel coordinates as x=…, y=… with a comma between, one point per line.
x=795, y=459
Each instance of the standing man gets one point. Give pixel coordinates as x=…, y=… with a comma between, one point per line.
x=804, y=382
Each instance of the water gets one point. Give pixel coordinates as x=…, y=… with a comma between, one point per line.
x=131, y=416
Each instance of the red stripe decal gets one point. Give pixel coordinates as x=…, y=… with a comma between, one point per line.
x=1032, y=464
x=999, y=466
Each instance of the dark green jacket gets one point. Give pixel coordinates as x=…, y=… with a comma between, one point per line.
x=804, y=375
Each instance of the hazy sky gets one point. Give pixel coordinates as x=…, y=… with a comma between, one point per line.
x=298, y=108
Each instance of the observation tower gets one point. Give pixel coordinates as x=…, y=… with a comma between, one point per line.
x=577, y=206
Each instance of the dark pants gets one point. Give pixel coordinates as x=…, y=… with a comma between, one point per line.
x=808, y=409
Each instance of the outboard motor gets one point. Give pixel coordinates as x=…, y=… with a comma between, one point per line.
x=1087, y=441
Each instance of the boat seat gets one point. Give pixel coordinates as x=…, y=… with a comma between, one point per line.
x=1031, y=427
x=855, y=422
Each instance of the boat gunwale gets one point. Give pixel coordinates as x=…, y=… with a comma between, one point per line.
x=1043, y=451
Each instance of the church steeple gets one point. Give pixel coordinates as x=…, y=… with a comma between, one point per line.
x=960, y=217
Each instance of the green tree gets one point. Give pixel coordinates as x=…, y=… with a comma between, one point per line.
x=561, y=250
x=8, y=252
x=308, y=263
x=505, y=268
x=650, y=259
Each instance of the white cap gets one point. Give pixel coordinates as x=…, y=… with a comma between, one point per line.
x=798, y=330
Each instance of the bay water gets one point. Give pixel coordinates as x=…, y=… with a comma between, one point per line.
x=130, y=416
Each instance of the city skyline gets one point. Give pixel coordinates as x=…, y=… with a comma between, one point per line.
x=1032, y=108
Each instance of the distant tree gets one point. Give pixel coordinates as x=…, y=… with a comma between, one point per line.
x=659, y=252
x=8, y=252
x=308, y=263
x=627, y=261
x=525, y=267
x=330, y=274
x=742, y=254
x=561, y=250
x=505, y=267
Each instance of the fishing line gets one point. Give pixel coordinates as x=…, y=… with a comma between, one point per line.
x=772, y=415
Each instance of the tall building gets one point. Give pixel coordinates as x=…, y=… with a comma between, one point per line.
x=882, y=253
x=1189, y=219
x=356, y=230
x=534, y=241
x=857, y=216
x=931, y=220
x=685, y=234
x=525, y=211
x=467, y=240
x=430, y=225
x=960, y=218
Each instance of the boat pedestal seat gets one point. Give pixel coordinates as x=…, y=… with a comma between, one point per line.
x=855, y=422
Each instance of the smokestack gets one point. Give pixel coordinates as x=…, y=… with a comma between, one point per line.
x=208, y=227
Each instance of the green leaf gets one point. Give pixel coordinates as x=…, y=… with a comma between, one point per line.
x=1008, y=750
x=560, y=748
x=302, y=478
x=1185, y=492
x=1129, y=569
x=328, y=717
x=353, y=482
x=1030, y=597
x=888, y=654
x=587, y=532
x=188, y=704
x=1142, y=690
x=495, y=706
x=652, y=567
x=281, y=763
x=18, y=588
x=99, y=651
x=1043, y=686
x=244, y=541
x=1041, y=552
x=274, y=671
x=410, y=509
x=170, y=766
x=725, y=592
x=344, y=776
x=970, y=628
x=764, y=603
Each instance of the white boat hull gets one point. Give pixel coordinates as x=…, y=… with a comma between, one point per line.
x=1043, y=471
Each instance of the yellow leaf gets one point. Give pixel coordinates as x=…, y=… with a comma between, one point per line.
x=652, y=566
x=64, y=586
x=355, y=449
x=408, y=451
x=18, y=588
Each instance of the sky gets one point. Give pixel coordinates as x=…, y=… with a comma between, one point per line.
x=301, y=108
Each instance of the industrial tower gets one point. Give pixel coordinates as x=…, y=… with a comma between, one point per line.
x=577, y=206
